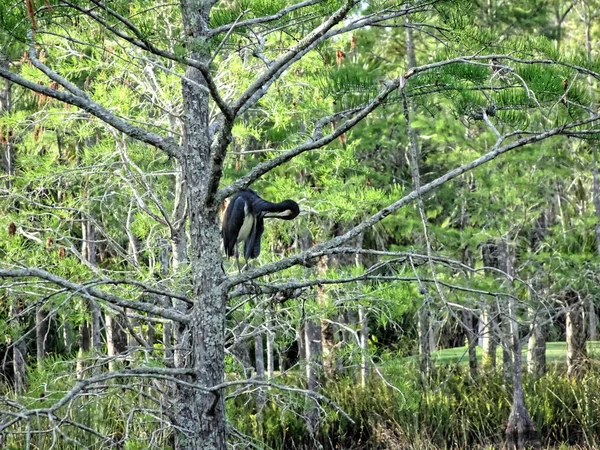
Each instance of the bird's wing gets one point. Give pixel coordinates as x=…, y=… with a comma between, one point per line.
x=232, y=223
x=252, y=244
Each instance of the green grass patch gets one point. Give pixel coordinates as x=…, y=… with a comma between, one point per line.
x=556, y=353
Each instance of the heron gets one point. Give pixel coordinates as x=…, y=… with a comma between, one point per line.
x=243, y=220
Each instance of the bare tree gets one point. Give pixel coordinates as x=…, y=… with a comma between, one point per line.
x=196, y=410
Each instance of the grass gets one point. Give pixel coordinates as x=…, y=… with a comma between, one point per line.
x=556, y=353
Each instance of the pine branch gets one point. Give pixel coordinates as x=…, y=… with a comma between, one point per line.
x=167, y=145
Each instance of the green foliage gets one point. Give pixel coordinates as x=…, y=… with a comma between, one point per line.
x=456, y=409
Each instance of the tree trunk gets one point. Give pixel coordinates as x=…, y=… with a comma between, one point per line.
x=19, y=348
x=488, y=343
x=467, y=319
x=487, y=322
x=536, y=347
x=509, y=328
x=363, y=322
x=520, y=430
x=166, y=302
x=180, y=332
x=200, y=415
x=312, y=348
x=364, y=345
x=270, y=345
x=20, y=366
x=41, y=333
x=89, y=253
x=116, y=338
x=6, y=141
x=84, y=347
x=259, y=356
x=507, y=356
x=424, y=313
x=327, y=328
x=424, y=321
x=593, y=318
x=301, y=341
x=67, y=335
x=577, y=358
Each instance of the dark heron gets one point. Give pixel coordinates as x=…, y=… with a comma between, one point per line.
x=243, y=220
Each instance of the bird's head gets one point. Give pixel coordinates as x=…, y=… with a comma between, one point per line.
x=289, y=210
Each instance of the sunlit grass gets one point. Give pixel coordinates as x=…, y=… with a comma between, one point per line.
x=556, y=353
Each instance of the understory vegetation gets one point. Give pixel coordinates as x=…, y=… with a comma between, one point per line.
x=397, y=411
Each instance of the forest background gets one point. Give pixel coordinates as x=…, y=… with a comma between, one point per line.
x=439, y=289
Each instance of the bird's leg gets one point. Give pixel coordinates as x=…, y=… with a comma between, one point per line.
x=237, y=259
x=246, y=266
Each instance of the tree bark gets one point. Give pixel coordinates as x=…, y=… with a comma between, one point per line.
x=270, y=345
x=259, y=356
x=520, y=429
x=180, y=331
x=67, y=335
x=19, y=348
x=84, y=347
x=593, y=318
x=301, y=341
x=200, y=413
x=577, y=358
x=509, y=328
x=424, y=321
x=327, y=328
x=41, y=333
x=6, y=140
x=312, y=348
x=166, y=301
x=89, y=253
x=536, y=347
x=259, y=359
x=116, y=338
x=364, y=345
x=363, y=322
x=487, y=322
x=467, y=319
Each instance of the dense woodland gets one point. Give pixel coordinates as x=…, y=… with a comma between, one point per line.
x=439, y=288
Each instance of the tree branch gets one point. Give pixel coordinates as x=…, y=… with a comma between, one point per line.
x=260, y=20
x=146, y=45
x=167, y=145
x=262, y=83
x=315, y=142
x=93, y=294
x=497, y=150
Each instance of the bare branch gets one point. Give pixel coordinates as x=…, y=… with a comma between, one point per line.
x=260, y=20
x=278, y=67
x=315, y=142
x=167, y=145
x=93, y=294
x=497, y=150
x=263, y=82
x=141, y=42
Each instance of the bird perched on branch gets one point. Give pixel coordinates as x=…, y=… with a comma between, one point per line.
x=243, y=220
